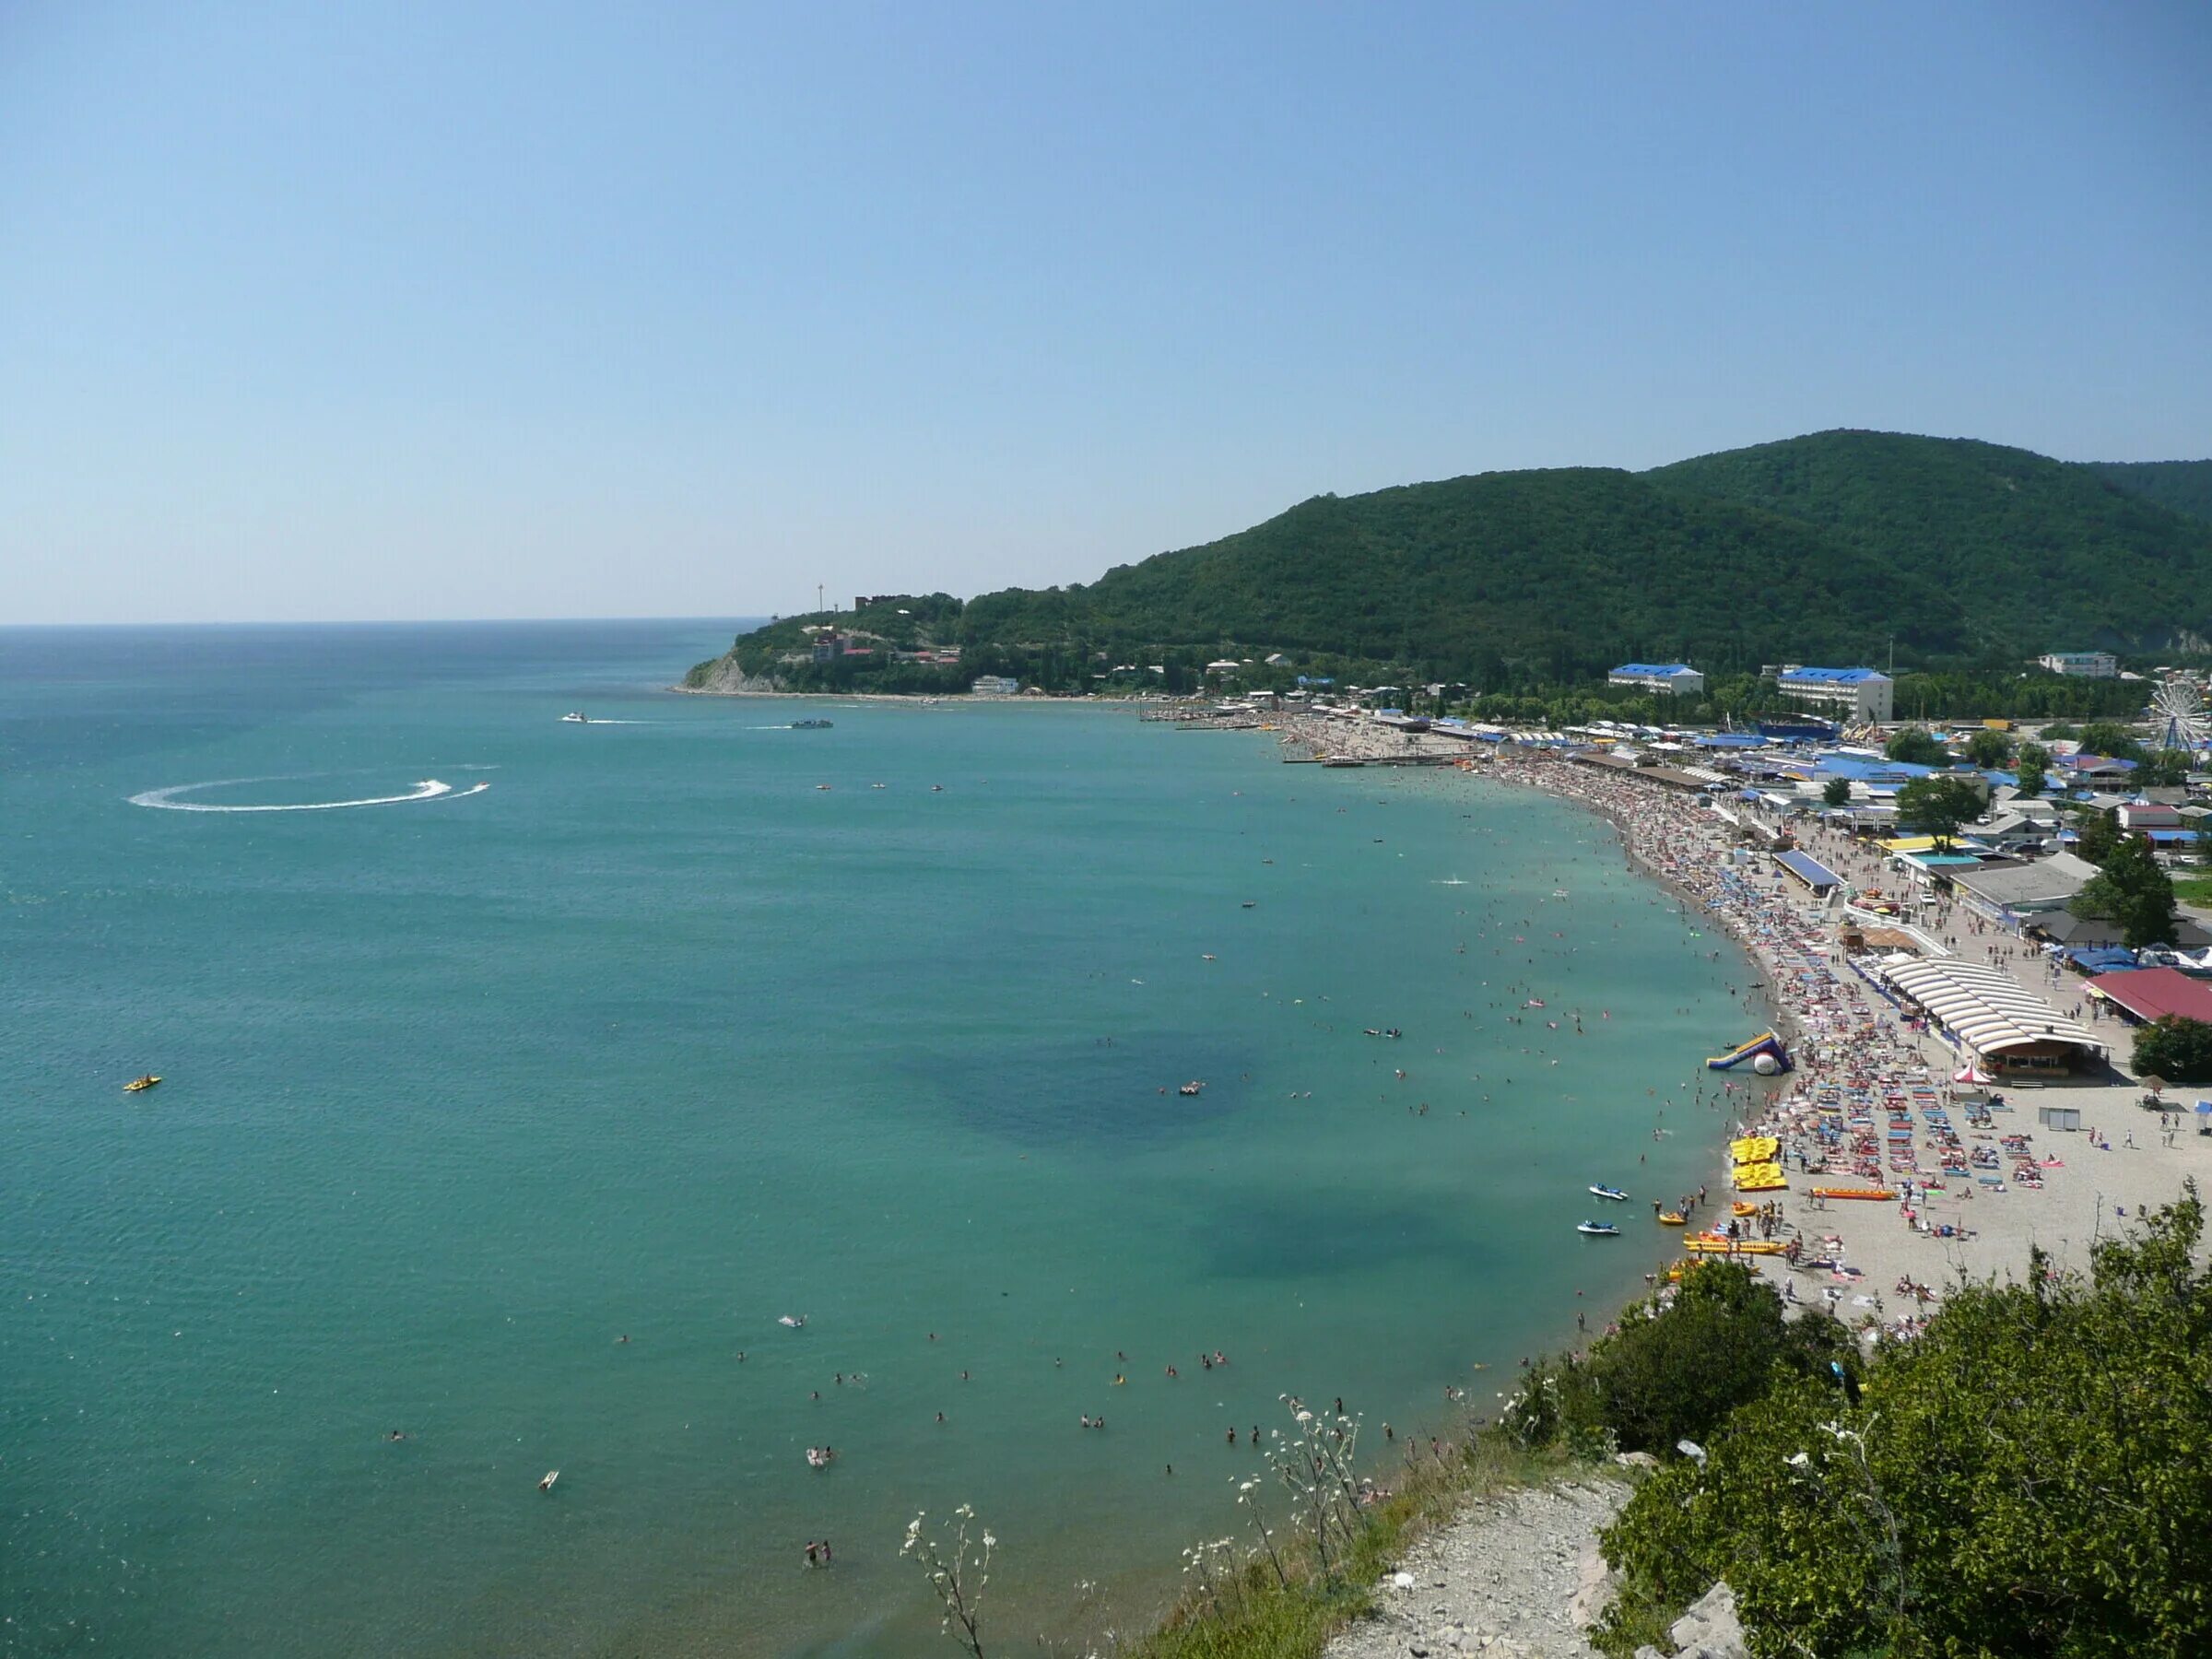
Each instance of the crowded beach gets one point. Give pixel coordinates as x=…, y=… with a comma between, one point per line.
x=1901, y=1157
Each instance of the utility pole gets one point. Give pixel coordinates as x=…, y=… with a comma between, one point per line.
x=817, y=595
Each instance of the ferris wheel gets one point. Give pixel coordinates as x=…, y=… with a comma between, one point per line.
x=2179, y=712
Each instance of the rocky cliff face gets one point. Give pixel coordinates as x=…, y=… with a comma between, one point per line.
x=722, y=678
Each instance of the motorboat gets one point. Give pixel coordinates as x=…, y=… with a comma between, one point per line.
x=812, y=725
x=820, y=1457
x=1613, y=1193
x=1598, y=1229
x=546, y=1484
x=794, y=1321
x=574, y=717
x=140, y=1085
x=1191, y=1088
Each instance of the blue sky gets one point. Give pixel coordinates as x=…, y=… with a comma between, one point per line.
x=450, y=309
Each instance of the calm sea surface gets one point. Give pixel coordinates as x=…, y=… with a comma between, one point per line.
x=656, y=1039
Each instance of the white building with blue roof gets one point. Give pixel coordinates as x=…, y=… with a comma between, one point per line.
x=1859, y=694
x=1679, y=679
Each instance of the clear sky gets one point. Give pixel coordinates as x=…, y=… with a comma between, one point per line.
x=482, y=309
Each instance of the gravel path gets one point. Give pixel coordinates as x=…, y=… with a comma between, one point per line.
x=1516, y=1577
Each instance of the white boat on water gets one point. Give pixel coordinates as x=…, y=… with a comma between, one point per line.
x=1598, y=1229
x=1613, y=1193
x=575, y=717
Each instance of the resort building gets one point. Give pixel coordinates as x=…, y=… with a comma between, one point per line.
x=1678, y=678
x=1859, y=694
x=2082, y=665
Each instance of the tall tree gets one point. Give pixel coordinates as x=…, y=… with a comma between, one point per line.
x=1989, y=750
x=1835, y=792
x=1916, y=746
x=2133, y=891
x=2099, y=835
x=1937, y=807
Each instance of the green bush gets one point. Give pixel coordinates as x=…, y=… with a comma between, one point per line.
x=2176, y=1049
x=2030, y=1478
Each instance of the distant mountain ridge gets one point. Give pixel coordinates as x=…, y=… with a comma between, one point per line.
x=1836, y=547
x=2184, y=486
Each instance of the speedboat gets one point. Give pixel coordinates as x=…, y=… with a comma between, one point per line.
x=1191, y=1088
x=820, y=1457
x=1613, y=1193
x=792, y=1319
x=546, y=1484
x=1598, y=1229
x=575, y=717
x=140, y=1085
x=812, y=725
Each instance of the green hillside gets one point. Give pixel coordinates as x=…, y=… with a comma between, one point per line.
x=1569, y=571
x=1837, y=547
x=2184, y=486
x=2043, y=556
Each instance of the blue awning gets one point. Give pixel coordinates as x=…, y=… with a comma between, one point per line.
x=1809, y=870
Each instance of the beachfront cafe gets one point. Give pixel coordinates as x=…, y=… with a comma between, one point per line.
x=1997, y=1024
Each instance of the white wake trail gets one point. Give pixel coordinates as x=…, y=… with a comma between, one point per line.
x=430, y=789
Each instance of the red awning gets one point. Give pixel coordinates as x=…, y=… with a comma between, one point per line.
x=2153, y=992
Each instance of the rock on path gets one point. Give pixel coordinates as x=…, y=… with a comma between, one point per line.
x=1516, y=1577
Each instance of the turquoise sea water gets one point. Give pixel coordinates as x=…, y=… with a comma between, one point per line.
x=654, y=1037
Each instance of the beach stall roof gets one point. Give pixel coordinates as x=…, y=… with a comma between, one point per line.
x=2154, y=993
x=2066, y=928
x=1987, y=1009
x=1809, y=870
x=2045, y=885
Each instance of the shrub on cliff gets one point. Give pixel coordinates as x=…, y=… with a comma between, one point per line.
x=1674, y=1370
x=2032, y=1476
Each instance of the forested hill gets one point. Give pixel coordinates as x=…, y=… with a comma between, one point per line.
x=1562, y=569
x=1832, y=547
x=2184, y=486
x=2035, y=551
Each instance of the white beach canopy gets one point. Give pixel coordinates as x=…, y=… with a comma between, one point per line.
x=1985, y=1007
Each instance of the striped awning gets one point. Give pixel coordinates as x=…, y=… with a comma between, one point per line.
x=1984, y=1007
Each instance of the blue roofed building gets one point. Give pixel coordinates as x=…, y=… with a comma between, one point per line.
x=1858, y=694
x=1678, y=678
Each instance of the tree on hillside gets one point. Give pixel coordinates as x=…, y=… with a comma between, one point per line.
x=1916, y=748
x=2031, y=768
x=1835, y=792
x=1937, y=807
x=2176, y=1049
x=2133, y=891
x=1989, y=750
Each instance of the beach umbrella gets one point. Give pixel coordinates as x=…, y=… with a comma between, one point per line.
x=2156, y=1085
x=2205, y=1107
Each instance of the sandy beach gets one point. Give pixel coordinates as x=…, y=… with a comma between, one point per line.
x=1872, y=1100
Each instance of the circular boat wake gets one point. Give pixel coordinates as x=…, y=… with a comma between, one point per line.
x=170, y=799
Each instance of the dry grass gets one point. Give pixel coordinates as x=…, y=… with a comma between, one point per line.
x=1249, y=1615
